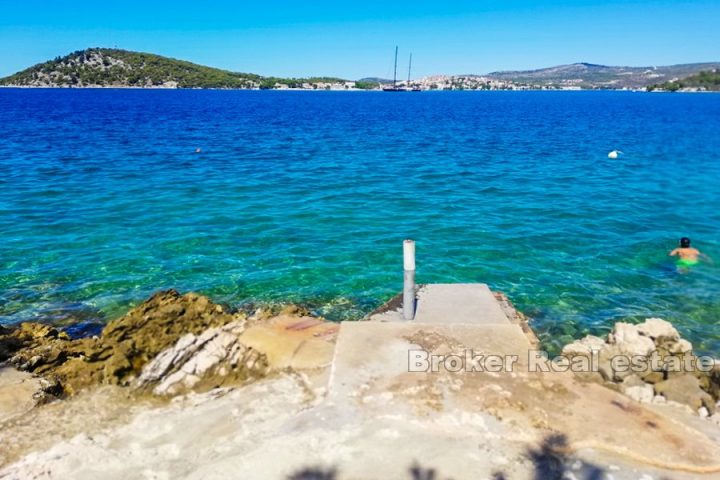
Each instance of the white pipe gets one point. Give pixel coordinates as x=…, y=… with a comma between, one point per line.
x=409, y=279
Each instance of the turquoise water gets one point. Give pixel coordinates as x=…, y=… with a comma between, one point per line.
x=307, y=196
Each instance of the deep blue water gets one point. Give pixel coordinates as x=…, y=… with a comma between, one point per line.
x=307, y=196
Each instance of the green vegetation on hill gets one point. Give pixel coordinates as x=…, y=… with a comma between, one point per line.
x=122, y=68
x=366, y=85
x=708, y=80
x=108, y=67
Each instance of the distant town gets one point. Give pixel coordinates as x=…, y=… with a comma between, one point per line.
x=434, y=82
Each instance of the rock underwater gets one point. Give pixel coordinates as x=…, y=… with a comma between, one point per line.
x=169, y=344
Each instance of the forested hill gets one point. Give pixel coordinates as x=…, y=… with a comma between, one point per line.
x=106, y=67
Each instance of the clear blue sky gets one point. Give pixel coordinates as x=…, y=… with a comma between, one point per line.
x=356, y=38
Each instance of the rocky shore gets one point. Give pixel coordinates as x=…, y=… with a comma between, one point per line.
x=181, y=387
x=661, y=366
x=169, y=344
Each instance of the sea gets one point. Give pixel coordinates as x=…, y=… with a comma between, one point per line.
x=271, y=197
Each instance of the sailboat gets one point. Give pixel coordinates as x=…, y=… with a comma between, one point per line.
x=408, y=88
x=395, y=87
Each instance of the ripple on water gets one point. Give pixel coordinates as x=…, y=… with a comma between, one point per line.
x=306, y=198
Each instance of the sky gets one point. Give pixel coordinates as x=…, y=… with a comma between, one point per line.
x=356, y=38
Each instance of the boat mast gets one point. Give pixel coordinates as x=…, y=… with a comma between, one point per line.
x=409, y=70
x=395, y=72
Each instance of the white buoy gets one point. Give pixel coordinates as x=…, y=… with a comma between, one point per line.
x=614, y=154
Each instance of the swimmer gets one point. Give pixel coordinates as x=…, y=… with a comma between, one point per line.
x=688, y=256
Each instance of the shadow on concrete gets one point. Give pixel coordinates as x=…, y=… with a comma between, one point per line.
x=415, y=472
x=315, y=473
x=418, y=472
x=551, y=461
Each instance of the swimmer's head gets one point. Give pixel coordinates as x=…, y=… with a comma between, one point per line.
x=685, y=242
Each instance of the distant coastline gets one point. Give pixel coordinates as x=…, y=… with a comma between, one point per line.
x=349, y=90
x=122, y=69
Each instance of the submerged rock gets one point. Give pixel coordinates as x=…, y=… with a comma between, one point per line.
x=84, y=329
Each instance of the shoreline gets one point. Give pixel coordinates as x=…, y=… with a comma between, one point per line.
x=28, y=87
x=79, y=324
x=186, y=365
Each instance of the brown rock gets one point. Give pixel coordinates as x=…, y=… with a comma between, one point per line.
x=714, y=388
x=685, y=389
x=187, y=341
x=652, y=376
x=26, y=334
x=125, y=345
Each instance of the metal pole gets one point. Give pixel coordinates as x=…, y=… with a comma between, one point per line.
x=409, y=279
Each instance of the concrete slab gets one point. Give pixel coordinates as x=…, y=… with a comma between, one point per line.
x=458, y=303
x=368, y=352
x=372, y=373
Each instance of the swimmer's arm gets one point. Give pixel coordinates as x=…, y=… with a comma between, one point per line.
x=706, y=258
x=673, y=253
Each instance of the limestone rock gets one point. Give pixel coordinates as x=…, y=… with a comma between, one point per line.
x=665, y=356
x=634, y=387
x=652, y=376
x=628, y=339
x=171, y=343
x=241, y=350
x=123, y=348
x=680, y=346
x=605, y=367
x=585, y=346
x=656, y=328
x=685, y=389
x=210, y=356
